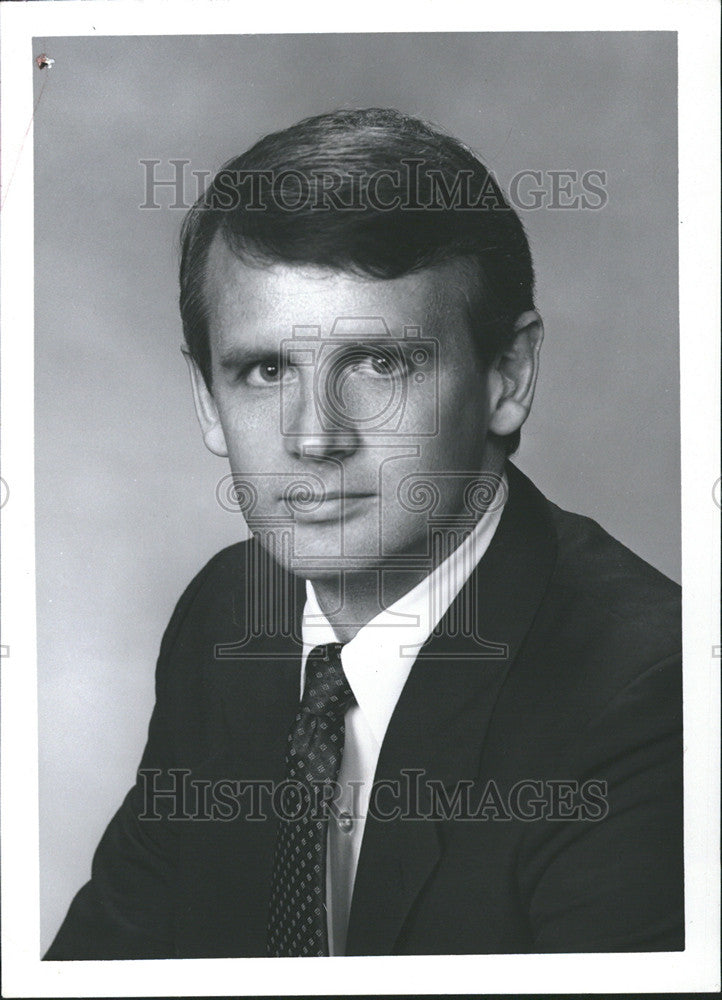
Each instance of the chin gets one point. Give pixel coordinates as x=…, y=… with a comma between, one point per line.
x=322, y=550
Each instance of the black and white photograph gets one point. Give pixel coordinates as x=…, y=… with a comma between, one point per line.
x=360, y=471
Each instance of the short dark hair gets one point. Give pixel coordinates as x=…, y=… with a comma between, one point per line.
x=373, y=192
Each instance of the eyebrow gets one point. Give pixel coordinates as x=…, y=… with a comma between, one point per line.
x=238, y=356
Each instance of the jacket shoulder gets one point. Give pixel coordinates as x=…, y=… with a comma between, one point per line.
x=599, y=579
x=220, y=574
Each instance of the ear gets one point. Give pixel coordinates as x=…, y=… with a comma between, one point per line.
x=512, y=377
x=206, y=409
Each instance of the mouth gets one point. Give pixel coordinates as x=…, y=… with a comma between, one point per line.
x=333, y=505
x=339, y=495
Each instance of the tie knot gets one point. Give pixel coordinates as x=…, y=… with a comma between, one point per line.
x=326, y=690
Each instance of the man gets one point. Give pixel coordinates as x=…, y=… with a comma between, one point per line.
x=422, y=710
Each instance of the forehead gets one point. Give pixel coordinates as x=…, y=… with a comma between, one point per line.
x=261, y=303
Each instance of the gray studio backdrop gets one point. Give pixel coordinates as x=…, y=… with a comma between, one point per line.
x=126, y=508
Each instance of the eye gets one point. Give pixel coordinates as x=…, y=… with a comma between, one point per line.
x=379, y=362
x=267, y=373
x=382, y=364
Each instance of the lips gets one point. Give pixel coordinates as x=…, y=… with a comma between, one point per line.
x=302, y=495
x=338, y=495
x=331, y=506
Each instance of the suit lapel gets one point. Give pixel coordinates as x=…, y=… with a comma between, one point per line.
x=255, y=674
x=441, y=719
x=248, y=645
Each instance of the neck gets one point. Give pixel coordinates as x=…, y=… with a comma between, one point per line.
x=350, y=599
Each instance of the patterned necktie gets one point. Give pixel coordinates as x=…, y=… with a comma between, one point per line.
x=297, y=918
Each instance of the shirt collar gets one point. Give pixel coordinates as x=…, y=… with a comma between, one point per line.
x=378, y=660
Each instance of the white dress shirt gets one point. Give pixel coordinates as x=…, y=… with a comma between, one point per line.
x=377, y=662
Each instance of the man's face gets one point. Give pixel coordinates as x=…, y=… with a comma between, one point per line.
x=339, y=398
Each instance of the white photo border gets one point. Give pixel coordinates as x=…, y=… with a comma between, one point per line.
x=695, y=969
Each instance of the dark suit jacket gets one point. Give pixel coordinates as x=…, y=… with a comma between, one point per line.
x=573, y=674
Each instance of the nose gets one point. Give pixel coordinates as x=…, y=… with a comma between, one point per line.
x=311, y=430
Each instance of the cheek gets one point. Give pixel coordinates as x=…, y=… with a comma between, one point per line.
x=250, y=432
x=463, y=417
